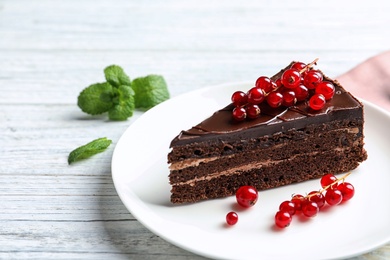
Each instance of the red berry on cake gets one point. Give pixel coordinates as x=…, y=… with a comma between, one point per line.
x=326, y=89
x=246, y=196
x=256, y=95
x=252, y=111
x=264, y=83
x=274, y=86
x=278, y=83
x=317, y=102
x=291, y=78
x=239, y=98
x=301, y=92
x=275, y=99
x=289, y=98
x=298, y=66
x=312, y=79
x=239, y=113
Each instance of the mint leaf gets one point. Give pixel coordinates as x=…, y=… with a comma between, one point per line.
x=121, y=111
x=91, y=148
x=149, y=91
x=95, y=99
x=116, y=76
x=124, y=104
x=125, y=92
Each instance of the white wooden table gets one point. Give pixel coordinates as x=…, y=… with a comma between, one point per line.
x=51, y=49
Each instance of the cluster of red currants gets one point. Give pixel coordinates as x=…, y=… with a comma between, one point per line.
x=298, y=83
x=333, y=192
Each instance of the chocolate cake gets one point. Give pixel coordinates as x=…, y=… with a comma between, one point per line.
x=281, y=146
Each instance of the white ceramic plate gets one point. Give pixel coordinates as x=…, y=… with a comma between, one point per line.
x=140, y=174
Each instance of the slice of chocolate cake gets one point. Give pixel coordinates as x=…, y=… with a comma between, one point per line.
x=284, y=144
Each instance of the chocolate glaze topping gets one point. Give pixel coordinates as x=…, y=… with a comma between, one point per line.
x=221, y=124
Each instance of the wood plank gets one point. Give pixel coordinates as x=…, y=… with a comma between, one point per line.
x=84, y=239
x=51, y=49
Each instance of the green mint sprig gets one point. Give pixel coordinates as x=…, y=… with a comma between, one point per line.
x=119, y=96
x=89, y=149
x=149, y=91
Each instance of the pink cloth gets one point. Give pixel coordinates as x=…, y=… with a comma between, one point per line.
x=370, y=80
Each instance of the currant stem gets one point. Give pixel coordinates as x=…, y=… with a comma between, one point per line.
x=309, y=66
x=327, y=187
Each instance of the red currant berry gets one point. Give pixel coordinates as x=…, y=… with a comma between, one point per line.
x=289, y=98
x=327, y=180
x=256, y=95
x=291, y=78
x=278, y=83
x=274, y=85
x=239, y=98
x=301, y=92
x=246, y=196
x=298, y=66
x=326, y=89
x=297, y=199
x=347, y=190
x=312, y=78
x=333, y=197
x=317, y=197
x=264, y=83
x=282, y=219
x=310, y=208
x=287, y=206
x=231, y=218
x=317, y=102
x=239, y=113
x=274, y=99
x=252, y=111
